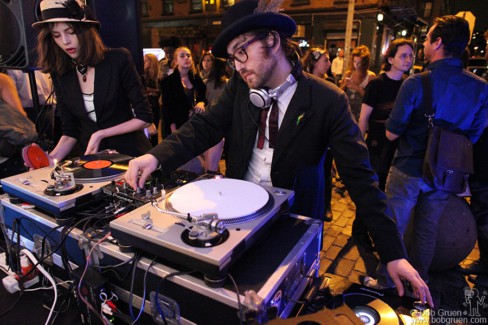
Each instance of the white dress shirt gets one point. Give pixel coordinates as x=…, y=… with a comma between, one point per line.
x=259, y=168
x=337, y=66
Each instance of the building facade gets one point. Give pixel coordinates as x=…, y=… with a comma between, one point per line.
x=320, y=22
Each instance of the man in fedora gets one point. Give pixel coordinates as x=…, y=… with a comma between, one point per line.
x=278, y=122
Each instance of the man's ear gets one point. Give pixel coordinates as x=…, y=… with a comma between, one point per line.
x=273, y=39
x=437, y=43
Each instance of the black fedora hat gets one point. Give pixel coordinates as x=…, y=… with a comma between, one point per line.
x=243, y=17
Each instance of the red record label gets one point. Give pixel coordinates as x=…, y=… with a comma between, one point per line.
x=97, y=164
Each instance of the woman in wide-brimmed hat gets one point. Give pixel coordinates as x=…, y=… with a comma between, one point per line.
x=100, y=97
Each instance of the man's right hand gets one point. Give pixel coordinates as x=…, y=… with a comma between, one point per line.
x=139, y=170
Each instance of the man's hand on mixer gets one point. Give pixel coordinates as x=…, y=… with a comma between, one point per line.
x=139, y=170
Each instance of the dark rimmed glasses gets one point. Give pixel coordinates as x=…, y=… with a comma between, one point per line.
x=240, y=55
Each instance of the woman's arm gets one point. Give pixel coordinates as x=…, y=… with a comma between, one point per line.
x=343, y=82
x=122, y=128
x=63, y=148
x=366, y=111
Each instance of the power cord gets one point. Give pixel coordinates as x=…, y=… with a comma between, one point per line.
x=48, y=276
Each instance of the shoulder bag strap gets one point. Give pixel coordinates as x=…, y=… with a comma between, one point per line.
x=427, y=97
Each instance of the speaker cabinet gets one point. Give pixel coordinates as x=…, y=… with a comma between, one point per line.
x=17, y=36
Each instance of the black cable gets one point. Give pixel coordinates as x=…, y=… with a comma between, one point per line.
x=65, y=297
x=52, y=241
x=144, y=289
x=64, y=236
x=120, y=278
x=110, y=268
x=4, y=269
x=46, y=234
x=239, y=304
x=64, y=254
x=42, y=127
x=11, y=253
x=52, y=253
x=16, y=255
x=132, y=279
x=21, y=294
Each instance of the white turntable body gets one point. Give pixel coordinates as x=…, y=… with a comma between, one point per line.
x=247, y=210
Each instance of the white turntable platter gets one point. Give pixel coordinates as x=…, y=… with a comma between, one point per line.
x=229, y=198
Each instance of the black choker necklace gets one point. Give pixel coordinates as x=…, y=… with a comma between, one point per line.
x=82, y=69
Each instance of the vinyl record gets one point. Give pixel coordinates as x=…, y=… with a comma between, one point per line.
x=370, y=309
x=234, y=201
x=96, y=168
x=116, y=158
x=34, y=157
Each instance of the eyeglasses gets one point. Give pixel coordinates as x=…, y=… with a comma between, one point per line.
x=240, y=55
x=404, y=56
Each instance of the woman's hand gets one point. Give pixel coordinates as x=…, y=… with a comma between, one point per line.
x=351, y=84
x=94, y=143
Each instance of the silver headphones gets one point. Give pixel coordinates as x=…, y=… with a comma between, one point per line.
x=263, y=98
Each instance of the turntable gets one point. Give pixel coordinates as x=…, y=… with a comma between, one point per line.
x=68, y=186
x=204, y=225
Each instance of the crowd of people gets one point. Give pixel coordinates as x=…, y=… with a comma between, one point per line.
x=316, y=113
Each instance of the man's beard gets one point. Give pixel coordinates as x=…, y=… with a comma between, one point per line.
x=261, y=74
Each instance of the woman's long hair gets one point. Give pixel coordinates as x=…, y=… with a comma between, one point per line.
x=152, y=72
x=363, y=52
x=205, y=74
x=52, y=59
x=218, y=70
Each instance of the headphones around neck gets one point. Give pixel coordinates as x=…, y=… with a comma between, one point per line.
x=263, y=98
